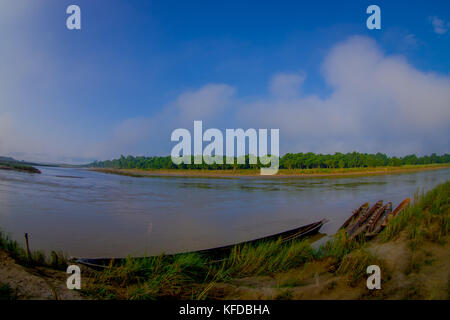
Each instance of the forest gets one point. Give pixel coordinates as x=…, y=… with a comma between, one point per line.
x=288, y=161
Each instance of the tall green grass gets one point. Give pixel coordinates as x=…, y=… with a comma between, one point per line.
x=339, y=246
x=267, y=257
x=153, y=277
x=428, y=218
x=192, y=275
x=355, y=265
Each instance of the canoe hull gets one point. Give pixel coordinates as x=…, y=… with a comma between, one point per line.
x=221, y=252
x=355, y=216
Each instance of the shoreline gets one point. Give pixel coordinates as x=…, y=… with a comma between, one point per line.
x=19, y=168
x=282, y=174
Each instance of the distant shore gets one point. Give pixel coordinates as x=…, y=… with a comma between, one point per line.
x=18, y=167
x=283, y=173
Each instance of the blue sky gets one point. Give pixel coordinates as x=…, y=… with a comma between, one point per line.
x=139, y=69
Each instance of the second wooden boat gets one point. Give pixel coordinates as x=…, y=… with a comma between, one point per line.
x=219, y=253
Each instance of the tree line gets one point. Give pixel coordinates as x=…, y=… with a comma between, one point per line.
x=288, y=161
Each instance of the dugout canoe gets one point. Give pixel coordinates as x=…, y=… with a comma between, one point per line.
x=361, y=224
x=376, y=222
x=219, y=253
x=355, y=215
x=402, y=206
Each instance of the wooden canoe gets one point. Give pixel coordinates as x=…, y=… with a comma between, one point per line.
x=361, y=224
x=381, y=214
x=402, y=206
x=377, y=220
x=219, y=253
x=355, y=215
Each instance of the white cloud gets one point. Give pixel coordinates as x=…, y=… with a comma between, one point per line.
x=142, y=135
x=439, y=25
x=286, y=84
x=205, y=103
x=378, y=103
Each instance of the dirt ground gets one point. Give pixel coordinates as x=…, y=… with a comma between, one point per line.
x=35, y=283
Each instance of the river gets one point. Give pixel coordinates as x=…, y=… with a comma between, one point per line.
x=92, y=214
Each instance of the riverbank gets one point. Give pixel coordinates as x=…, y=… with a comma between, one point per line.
x=18, y=167
x=33, y=276
x=412, y=252
x=31, y=282
x=282, y=173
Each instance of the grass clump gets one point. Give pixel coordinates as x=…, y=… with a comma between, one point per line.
x=339, y=246
x=12, y=247
x=150, y=278
x=428, y=218
x=266, y=258
x=355, y=265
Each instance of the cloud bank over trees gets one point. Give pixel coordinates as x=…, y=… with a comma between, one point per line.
x=377, y=103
